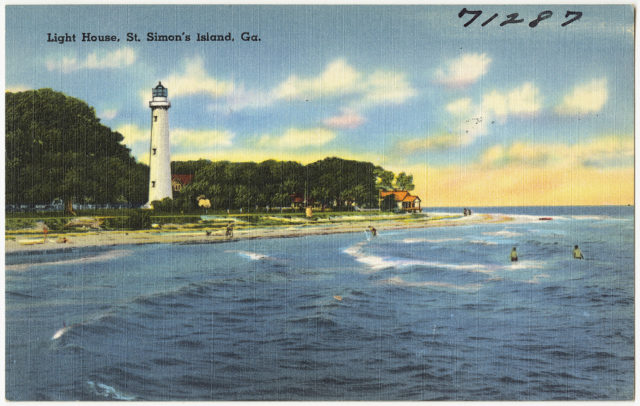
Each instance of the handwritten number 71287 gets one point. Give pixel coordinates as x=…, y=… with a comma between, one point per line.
x=571, y=17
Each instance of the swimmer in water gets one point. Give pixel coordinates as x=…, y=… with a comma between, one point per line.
x=514, y=255
x=374, y=232
x=577, y=254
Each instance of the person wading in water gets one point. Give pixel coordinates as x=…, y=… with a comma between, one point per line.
x=514, y=255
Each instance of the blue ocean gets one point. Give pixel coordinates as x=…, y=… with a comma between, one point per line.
x=435, y=313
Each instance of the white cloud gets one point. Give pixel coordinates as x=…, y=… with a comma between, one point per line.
x=460, y=106
x=201, y=139
x=382, y=87
x=604, y=151
x=339, y=79
x=298, y=138
x=133, y=134
x=584, y=99
x=194, y=80
x=109, y=114
x=144, y=158
x=240, y=98
x=469, y=121
x=17, y=88
x=348, y=119
x=464, y=70
x=521, y=101
x=437, y=142
x=179, y=137
x=96, y=60
x=116, y=59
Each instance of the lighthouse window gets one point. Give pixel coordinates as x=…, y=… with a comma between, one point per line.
x=154, y=151
x=153, y=183
x=155, y=118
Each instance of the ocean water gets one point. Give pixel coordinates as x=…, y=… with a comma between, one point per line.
x=419, y=314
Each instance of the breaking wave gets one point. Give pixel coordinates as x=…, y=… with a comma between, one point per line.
x=480, y=242
x=107, y=256
x=107, y=392
x=398, y=281
x=376, y=262
x=251, y=255
x=429, y=240
x=502, y=233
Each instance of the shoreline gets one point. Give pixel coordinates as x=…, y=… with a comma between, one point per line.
x=28, y=243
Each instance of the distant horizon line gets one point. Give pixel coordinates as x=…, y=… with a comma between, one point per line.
x=538, y=205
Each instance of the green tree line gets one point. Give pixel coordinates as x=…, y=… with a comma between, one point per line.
x=56, y=147
x=331, y=182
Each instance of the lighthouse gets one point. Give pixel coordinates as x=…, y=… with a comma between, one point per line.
x=159, y=152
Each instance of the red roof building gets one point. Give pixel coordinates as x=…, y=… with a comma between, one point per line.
x=405, y=200
x=178, y=181
x=297, y=200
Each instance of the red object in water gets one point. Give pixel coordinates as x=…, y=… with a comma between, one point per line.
x=545, y=218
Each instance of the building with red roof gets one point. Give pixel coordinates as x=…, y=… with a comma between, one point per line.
x=178, y=181
x=405, y=200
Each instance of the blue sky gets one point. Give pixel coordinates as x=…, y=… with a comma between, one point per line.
x=406, y=87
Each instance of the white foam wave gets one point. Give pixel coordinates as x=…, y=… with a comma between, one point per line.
x=480, y=242
x=107, y=256
x=527, y=264
x=398, y=281
x=254, y=256
x=536, y=278
x=585, y=217
x=58, y=334
x=443, y=213
x=376, y=262
x=429, y=240
x=502, y=233
x=108, y=392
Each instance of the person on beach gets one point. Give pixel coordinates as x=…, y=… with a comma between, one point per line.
x=374, y=232
x=208, y=233
x=577, y=254
x=45, y=230
x=229, y=230
x=514, y=255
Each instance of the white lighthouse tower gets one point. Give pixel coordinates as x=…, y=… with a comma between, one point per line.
x=159, y=153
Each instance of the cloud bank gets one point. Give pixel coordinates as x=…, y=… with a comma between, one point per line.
x=585, y=99
x=119, y=58
x=463, y=71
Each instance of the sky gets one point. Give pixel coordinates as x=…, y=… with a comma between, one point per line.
x=480, y=115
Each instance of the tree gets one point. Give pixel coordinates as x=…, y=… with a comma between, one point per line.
x=384, y=179
x=243, y=196
x=56, y=147
x=280, y=200
x=405, y=182
x=205, y=204
x=245, y=184
x=320, y=194
x=388, y=203
x=359, y=194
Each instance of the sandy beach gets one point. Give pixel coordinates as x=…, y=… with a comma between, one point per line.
x=30, y=242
